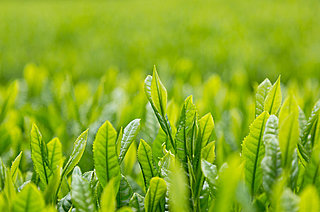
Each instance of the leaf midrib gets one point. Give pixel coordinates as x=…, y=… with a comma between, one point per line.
x=257, y=156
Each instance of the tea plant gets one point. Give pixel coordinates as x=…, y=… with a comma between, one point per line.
x=176, y=170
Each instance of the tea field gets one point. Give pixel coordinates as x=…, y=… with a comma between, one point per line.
x=176, y=105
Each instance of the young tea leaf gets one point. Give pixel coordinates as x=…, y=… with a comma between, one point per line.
x=29, y=200
x=158, y=93
x=273, y=99
x=129, y=135
x=137, y=202
x=253, y=152
x=108, y=197
x=261, y=94
x=289, y=130
x=271, y=163
x=39, y=155
x=81, y=193
x=146, y=162
x=104, y=153
x=156, y=192
x=78, y=149
x=15, y=167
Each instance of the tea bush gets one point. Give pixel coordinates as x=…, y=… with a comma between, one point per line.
x=160, y=157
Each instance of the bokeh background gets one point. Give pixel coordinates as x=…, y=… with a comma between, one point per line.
x=70, y=65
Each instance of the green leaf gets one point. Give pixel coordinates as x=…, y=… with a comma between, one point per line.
x=210, y=172
x=65, y=203
x=157, y=145
x=39, y=155
x=77, y=152
x=208, y=152
x=9, y=191
x=125, y=193
x=137, y=202
x=271, y=163
x=104, y=153
x=29, y=200
x=81, y=193
x=15, y=167
x=289, y=201
x=184, y=137
x=273, y=99
x=162, y=118
x=146, y=162
x=158, y=93
x=129, y=135
x=261, y=94
x=229, y=179
x=151, y=127
x=108, y=197
x=309, y=200
x=54, y=154
x=206, y=126
x=253, y=152
x=178, y=188
x=12, y=92
x=311, y=132
x=289, y=130
x=312, y=171
x=156, y=192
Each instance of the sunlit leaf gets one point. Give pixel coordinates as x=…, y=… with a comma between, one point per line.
x=104, y=153
x=78, y=149
x=309, y=200
x=146, y=162
x=156, y=191
x=261, y=94
x=253, y=152
x=129, y=135
x=273, y=99
x=39, y=155
x=29, y=200
x=288, y=129
x=15, y=167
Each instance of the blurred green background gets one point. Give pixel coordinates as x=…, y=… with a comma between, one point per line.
x=185, y=39
x=71, y=65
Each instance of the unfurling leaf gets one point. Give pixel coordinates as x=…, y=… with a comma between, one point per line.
x=273, y=99
x=158, y=93
x=15, y=167
x=261, y=94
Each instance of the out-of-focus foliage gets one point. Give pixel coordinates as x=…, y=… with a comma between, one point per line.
x=184, y=38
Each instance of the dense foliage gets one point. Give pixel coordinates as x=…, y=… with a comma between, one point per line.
x=170, y=158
